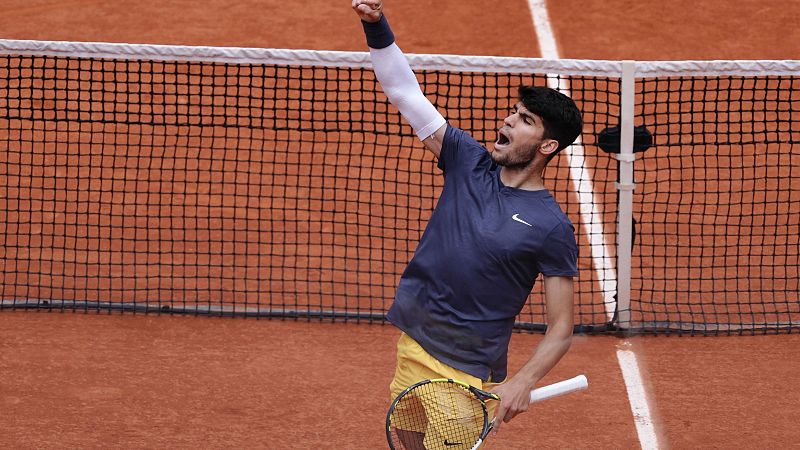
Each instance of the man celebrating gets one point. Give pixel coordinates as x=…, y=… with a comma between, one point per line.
x=494, y=230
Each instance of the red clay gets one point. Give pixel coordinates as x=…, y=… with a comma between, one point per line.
x=100, y=381
x=133, y=381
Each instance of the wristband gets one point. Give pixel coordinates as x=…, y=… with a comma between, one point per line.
x=379, y=35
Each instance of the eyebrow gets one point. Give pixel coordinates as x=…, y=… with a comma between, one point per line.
x=525, y=113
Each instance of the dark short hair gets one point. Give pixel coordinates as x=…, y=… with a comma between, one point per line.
x=562, y=119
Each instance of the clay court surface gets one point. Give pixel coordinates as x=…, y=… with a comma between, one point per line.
x=74, y=380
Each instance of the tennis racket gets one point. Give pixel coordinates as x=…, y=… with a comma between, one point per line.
x=448, y=414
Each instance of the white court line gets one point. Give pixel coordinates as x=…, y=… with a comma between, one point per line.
x=638, y=399
x=579, y=174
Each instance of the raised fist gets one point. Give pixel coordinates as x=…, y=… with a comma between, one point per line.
x=368, y=10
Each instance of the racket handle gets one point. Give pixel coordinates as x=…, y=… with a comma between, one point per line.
x=578, y=383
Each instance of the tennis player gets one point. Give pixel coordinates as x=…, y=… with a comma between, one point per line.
x=494, y=230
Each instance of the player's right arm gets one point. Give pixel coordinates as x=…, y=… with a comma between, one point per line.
x=396, y=77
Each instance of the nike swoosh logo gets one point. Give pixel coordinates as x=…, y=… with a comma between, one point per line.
x=446, y=442
x=516, y=217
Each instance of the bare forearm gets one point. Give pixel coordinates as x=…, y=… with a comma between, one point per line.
x=557, y=340
x=515, y=393
x=547, y=354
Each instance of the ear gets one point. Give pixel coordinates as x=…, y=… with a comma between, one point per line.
x=548, y=147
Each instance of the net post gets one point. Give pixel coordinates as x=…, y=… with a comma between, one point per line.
x=625, y=187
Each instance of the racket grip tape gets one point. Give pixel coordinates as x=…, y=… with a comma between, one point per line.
x=578, y=383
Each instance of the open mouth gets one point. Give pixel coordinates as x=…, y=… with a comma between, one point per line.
x=502, y=138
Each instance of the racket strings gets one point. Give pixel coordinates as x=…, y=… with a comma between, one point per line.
x=437, y=415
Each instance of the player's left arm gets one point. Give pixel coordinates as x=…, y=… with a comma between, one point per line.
x=515, y=393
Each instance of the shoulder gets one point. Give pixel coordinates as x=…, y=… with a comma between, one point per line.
x=558, y=227
x=558, y=251
x=455, y=137
x=458, y=146
x=555, y=213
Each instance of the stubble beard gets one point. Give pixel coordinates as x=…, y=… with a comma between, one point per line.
x=516, y=160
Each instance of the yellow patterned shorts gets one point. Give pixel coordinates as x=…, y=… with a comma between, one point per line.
x=414, y=364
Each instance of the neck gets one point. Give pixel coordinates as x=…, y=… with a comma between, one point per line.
x=522, y=179
x=527, y=178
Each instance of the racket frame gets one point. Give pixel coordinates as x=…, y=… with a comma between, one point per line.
x=478, y=394
x=574, y=384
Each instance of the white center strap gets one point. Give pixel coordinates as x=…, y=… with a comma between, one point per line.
x=401, y=87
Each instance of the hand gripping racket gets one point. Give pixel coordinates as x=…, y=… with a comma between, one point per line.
x=448, y=414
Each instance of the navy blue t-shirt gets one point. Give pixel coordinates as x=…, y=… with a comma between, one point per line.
x=482, y=250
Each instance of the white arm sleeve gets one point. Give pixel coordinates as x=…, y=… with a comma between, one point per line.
x=401, y=87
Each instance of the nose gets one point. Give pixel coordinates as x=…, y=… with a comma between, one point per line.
x=509, y=119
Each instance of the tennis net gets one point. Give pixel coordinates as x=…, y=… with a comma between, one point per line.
x=277, y=183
